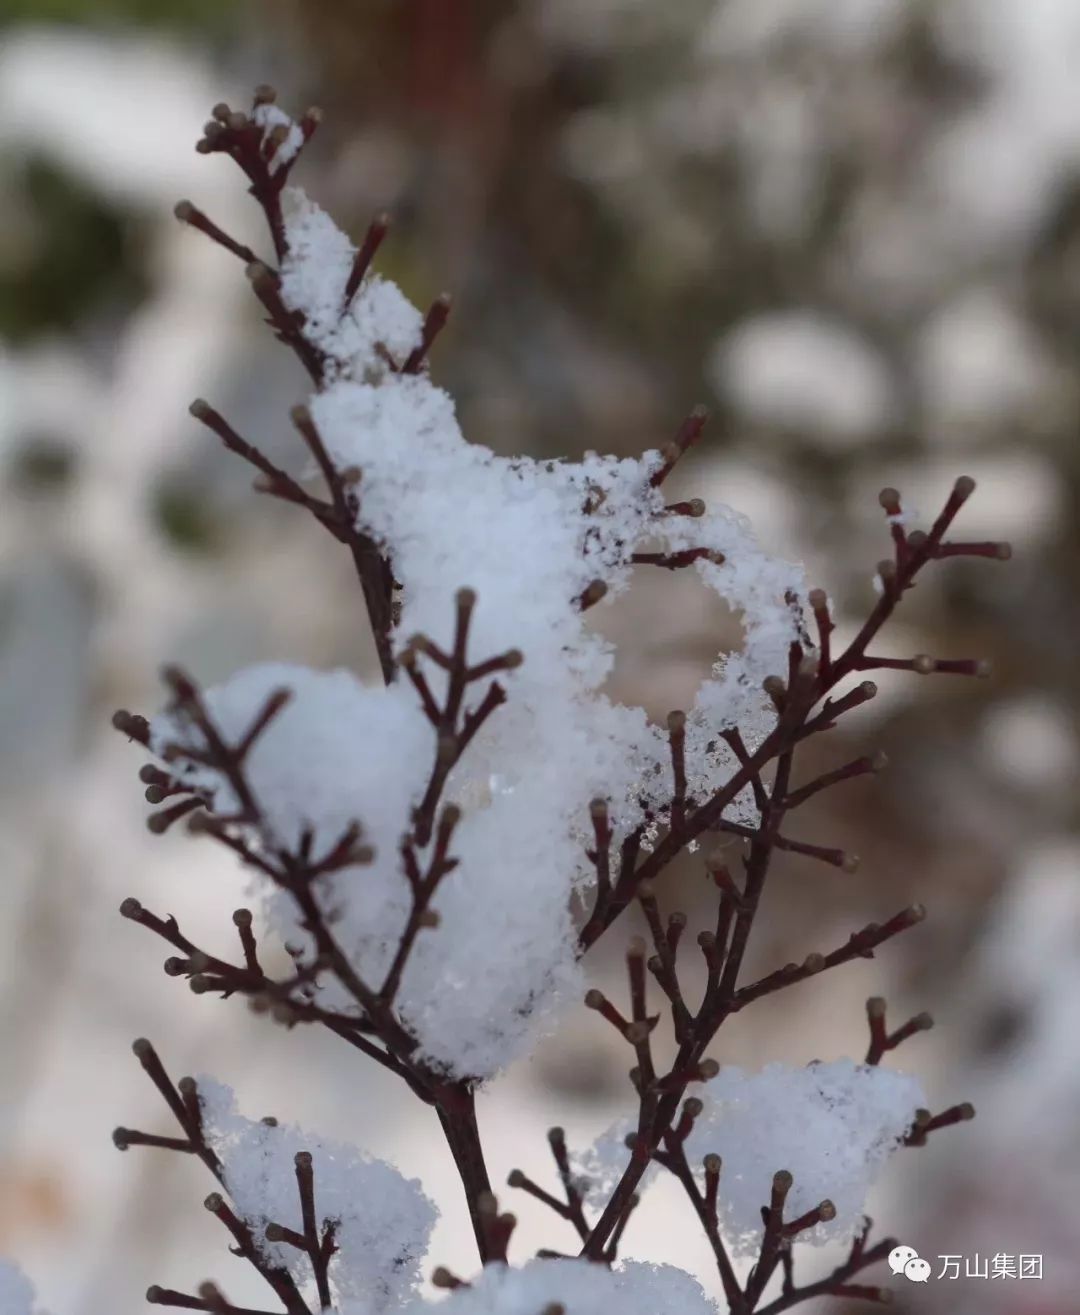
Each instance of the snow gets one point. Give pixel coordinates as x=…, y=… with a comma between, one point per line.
x=16, y=1294
x=313, y=280
x=582, y=1288
x=529, y=537
x=268, y=117
x=384, y=1219
x=831, y=1126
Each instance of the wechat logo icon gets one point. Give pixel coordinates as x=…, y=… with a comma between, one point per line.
x=906, y=1261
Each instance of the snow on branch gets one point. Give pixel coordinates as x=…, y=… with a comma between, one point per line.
x=420, y=846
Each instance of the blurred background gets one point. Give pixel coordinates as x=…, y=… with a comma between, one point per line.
x=852, y=229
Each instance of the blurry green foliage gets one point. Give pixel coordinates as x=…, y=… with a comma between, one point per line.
x=42, y=465
x=184, y=517
x=73, y=256
x=198, y=15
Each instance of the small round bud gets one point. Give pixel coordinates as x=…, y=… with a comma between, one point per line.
x=515, y=1178
x=120, y=1139
x=889, y=498
x=692, y=1106
x=154, y=794
x=879, y=761
x=154, y=1294
x=984, y=669
x=556, y=1136
x=868, y=689
x=174, y=967
x=242, y=917
x=268, y=1121
x=916, y=539
x=782, y=1181
x=598, y=809
x=300, y=416
x=875, y=1007
x=676, y=722
x=637, y=1033
x=200, y=408
x=265, y=94
x=302, y=1159
x=131, y=908
x=818, y=600
x=635, y=948
x=594, y=999
x=593, y=593
x=1003, y=552
x=850, y=863
x=966, y=1111
x=773, y=686
x=142, y=1048
x=813, y=963
x=513, y=659
x=827, y=1211
x=237, y=121
x=442, y=1278
x=200, y=984
x=274, y=1233
x=712, y=1163
x=646, y=891
x=677, y=920
x=887, y=569
x=923, y=1022
x=214, y=1202
x=695, y=507
x=428, y=918
x=964, y=488
x=924, y=664
x=466, y=599
x=486, y=1204
x=708, y=1069
x=184, y=211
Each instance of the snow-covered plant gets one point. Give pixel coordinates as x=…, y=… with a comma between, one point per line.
x=439, y=853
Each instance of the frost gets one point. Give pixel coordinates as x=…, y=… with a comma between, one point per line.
x=16, y=1294
x=580, y=1287
x=384, y=1220
x=831, y=1126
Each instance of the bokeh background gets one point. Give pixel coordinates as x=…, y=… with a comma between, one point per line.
x=852, y=229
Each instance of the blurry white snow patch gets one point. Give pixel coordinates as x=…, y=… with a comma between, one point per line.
x=117, y=110
x=850, y=26
x=578, y=1286
x=797, y=370
x=1029, y=744
x=1025, y=136
x=980, y=366
x=16, y=1294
